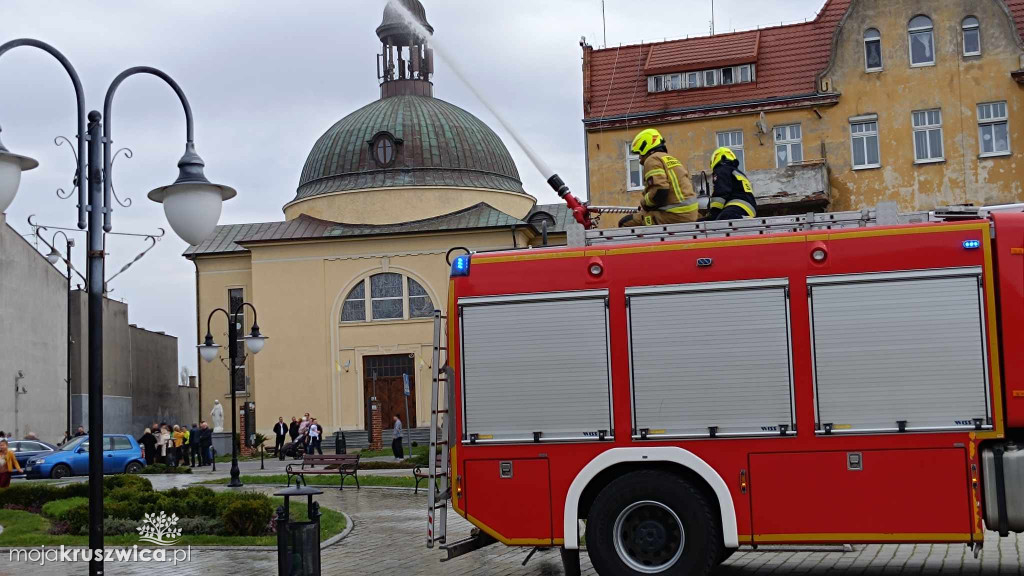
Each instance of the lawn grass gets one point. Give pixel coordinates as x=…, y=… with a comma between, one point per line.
x=328, y=480
x=24, y=529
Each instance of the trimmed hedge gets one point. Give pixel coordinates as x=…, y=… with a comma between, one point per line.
x=127, y=499
x=165, y=469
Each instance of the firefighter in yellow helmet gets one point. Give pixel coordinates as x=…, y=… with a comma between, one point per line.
x=668, y=194
x=733, y=196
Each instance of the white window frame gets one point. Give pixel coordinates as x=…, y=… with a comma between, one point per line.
x=930, y=29
x=863, y=137
x=878, y=39
x=973, y=27
x=630, y=157
x=993, y=121
x=714, y=78
x=928, y=128
x=671, y=79
x=730, y=143
x=732, y=73
x=368, y=300
x=697, y=76
x=738, y=75
x=789, y=142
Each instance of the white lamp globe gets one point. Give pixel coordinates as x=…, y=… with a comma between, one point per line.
x=208, y=352
x=53, y=257
x=193, y=211
x=11, y=167
x=192, y=204
x=255, y=343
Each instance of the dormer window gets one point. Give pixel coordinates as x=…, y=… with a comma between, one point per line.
x=731, y=75
x=382, y=148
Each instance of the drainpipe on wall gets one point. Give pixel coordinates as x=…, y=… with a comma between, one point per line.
x=199, y=364
x=18, y=391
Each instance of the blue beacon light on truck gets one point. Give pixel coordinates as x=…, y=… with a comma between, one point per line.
x=972, y=244
x=460, y=267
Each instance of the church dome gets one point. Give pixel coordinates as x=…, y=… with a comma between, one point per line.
x=408, y=141
x=407, y=156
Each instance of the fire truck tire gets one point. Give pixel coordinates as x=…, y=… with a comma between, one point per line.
x=652, y=522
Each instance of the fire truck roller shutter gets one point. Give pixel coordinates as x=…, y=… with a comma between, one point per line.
x=905, y=347
x=536, y=363
x=711, y=356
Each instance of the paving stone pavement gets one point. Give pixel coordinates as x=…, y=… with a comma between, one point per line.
x=390, y=530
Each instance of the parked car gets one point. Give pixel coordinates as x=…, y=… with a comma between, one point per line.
x=25, y=450
x=121, y=454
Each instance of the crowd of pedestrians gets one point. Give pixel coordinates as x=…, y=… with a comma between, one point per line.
x=306, y=436
x=178, y=445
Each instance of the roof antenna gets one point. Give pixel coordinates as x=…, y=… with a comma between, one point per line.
x=604, y=22
x=712, y=17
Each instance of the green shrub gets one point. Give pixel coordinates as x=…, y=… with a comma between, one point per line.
x=121, y=510
x=32, y=496
x=118, y=526
x=200, y=526
x=247, y=517
x=78, y=518
x=165, y=469
x=225, y=499
x=58, y=509
x=138, y=483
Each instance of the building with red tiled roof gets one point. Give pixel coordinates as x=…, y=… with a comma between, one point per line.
x=824, y=114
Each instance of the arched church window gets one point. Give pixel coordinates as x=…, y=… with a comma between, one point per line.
x=387, y=296
x=420, y=305
x=354, y=309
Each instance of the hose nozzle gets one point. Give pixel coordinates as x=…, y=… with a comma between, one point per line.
x=558, y=185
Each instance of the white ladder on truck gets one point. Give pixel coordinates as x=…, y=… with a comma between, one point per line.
x=886, y=214
x=439, y=483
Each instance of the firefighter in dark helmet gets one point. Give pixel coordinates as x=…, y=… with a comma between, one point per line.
x=668, y=194
x=733, y=196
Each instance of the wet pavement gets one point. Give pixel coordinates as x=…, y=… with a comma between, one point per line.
x=389, y=533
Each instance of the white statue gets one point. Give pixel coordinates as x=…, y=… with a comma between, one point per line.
x=217, y=415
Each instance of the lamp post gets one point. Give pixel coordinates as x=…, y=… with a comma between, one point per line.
x=192, y=206
x=53, y=257
x=208, y=350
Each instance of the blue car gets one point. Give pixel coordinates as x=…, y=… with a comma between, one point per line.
x=121, y=454
x=25, y=450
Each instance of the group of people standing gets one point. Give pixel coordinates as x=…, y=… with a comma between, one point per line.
x=307, y=433
x=178, y=445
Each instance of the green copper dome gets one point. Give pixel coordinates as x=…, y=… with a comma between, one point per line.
x=429, y=143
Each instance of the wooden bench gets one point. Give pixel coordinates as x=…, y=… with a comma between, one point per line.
x=341, y=464
x=420, y=474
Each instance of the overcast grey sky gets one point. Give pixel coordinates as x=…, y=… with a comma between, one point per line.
x=266, y=79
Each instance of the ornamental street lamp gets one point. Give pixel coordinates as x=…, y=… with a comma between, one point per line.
x=53, y=257
x=209, y=350
x=188, y=205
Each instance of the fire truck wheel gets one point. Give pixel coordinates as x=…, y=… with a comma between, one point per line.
x=652, y=522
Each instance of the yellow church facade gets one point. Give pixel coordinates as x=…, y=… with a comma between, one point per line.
x=346, y=285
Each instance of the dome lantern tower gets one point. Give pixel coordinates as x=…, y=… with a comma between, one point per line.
x=406, y=61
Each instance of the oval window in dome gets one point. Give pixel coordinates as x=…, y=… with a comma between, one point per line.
x=383, y=148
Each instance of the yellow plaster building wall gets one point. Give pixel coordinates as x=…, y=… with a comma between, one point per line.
x=956, y=84
x=313, y=362
x=405, y=204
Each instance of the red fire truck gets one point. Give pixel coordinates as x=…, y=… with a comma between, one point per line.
x=676, y=392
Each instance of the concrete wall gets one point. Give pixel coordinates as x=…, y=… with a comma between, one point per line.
x=158, y=397
x=313, y=362
x=140, y=372
x=956, y=85
x=33, y=339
